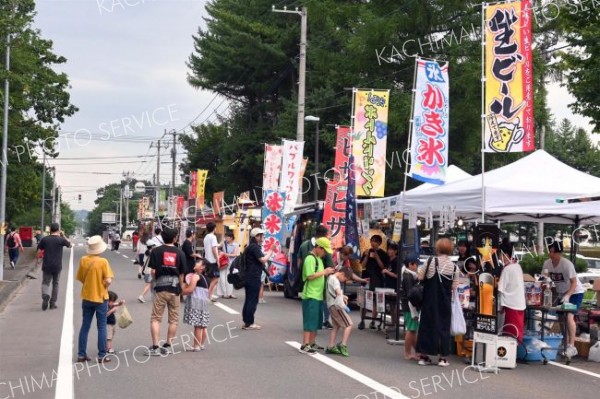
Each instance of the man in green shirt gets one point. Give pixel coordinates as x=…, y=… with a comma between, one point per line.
x=313, y=275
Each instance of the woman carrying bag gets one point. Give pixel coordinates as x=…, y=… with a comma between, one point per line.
x=440, y=278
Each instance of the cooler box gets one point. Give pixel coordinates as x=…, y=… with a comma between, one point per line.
x=499, y=351
x=531, y=349
x=26, y=234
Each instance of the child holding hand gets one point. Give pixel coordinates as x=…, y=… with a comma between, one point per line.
x=111, y=320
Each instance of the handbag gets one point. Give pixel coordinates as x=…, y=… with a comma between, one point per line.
x=223, y=261
x=458, y=326
x=124, y=319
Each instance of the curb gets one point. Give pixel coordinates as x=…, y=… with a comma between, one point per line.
x=8, y=288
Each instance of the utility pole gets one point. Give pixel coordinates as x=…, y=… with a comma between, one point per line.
x=4, y=154
x=42, y=225
x=157, y=189
x=53, y=196
x=174, y=156
x=120, y=210
x=301, y=68
x=127, y=195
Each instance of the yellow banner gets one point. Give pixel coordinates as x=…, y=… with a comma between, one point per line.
x=200, y=183
x=370, y=140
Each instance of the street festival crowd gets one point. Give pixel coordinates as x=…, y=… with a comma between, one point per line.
x=177, y=274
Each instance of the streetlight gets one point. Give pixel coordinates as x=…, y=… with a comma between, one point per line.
x=310, y=118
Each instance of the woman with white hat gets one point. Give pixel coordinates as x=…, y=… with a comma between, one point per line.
x=96, y=275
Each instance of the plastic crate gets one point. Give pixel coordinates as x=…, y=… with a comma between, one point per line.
x=530, y=353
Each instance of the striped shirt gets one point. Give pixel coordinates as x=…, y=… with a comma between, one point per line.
x=446, y=269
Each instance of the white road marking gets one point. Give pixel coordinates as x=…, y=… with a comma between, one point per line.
x=64, y=379
x=80, y=244
x=118, y=252
x=125, y=256
x=564, y=366
x=355, y=375
x=225, y=308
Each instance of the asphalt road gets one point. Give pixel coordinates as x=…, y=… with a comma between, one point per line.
x=237, y=363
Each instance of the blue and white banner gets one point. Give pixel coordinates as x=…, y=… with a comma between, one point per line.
x=431, y=122
x=272, y=220
x=352, y=238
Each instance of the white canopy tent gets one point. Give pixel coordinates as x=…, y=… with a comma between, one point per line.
x=526, y=190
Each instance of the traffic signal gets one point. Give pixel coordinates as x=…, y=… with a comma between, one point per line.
x=79, y=197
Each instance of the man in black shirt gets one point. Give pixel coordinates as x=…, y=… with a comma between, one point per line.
x=51, y=246
x=188, y=250
x=374, y=261
x=168, y=270
x=255, y=262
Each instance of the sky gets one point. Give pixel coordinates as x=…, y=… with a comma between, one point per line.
x=127, y=67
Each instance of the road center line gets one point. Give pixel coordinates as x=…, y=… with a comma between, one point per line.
x=355, y=375
x=125, y=256
x=64, y=379
x=225, y=308
x=564, y=366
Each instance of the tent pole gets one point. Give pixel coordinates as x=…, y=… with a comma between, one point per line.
x=483, y=112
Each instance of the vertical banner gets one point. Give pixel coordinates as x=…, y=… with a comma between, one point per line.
x=193, y=184
x=218, y=202
x=334, y=213
x=162, y=202
x=509, y=124
x=397, y=234
x=290, y=172
x=352, y=238
x=272, y=166
x=180, y=206
x=370, y=140
x=429, y=142
x=272, y=220
x=200, y=184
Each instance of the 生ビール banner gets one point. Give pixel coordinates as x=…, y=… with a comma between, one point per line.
x=509, y=124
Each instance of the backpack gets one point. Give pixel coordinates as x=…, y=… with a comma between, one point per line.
x=10, y=241
x=237, y=272
x=415, y=294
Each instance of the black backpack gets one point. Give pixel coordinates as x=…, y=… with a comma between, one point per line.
x=237, y=272
x=10, y=241
x=415, y=294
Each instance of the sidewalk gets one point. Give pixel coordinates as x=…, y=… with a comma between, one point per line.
x=13, y=279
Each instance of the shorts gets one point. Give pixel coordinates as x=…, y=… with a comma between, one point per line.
x=410, y=324
x=339, y=317
x=312, y=315
x=110, y=331
x=148, y=278
x=213, y=270
x=576, y=299
x=171, y=301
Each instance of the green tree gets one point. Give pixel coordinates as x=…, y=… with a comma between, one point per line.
x=574, y=147
x=39, y=102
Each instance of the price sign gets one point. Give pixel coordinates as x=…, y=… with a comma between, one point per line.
x=486, y=324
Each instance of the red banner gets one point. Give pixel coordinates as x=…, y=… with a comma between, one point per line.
x=180, y=206
x=192, y=185
x=334, y=214
x=218, y=202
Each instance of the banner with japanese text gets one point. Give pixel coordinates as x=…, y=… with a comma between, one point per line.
x=370, y=140
x=162, y=203
x=290, y=172
x=334, y=212
x=273, y=220
x=352, y=238
x=192, y=186
x=509, y=124
x=431, y=123
x=201, y=175
x=180, y=206
x=272, y=166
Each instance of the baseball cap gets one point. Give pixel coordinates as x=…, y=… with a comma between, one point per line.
x=412, y=258
x=256, y=231
x=324, y=243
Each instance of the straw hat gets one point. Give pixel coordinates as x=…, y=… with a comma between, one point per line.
x=96, y=245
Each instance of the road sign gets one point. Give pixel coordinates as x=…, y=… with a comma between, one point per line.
x=109, y=217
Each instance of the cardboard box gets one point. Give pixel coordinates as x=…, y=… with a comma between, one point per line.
x=596, y=286
x=528, y=278
x=583, y=347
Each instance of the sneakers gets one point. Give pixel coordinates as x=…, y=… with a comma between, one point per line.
x=372, y=325
x=12, y=264
x=361, y=325
x=165, y=349
x=262, y=301
x=45, y=301
x=251, y=327
x=343, y=350
x=141, y=299
x=307, y=349
x=153, y=351
x=333, y=350
x=443, y=363
x=316, y=347
x=53, y=306
x=425, y=361
x=571, y=351
x=110, y=351
x=104, y=359
x=327, y=325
